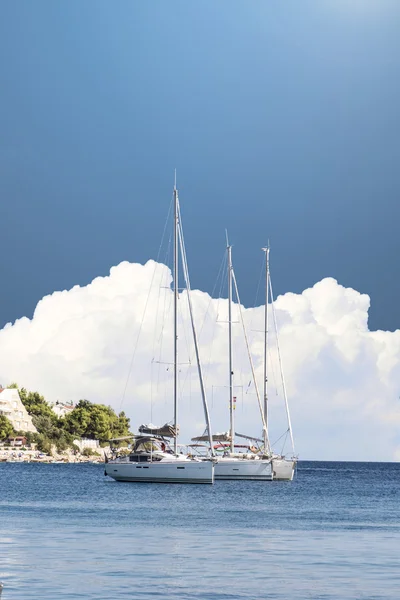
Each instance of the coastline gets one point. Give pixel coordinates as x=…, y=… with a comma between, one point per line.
x=34, y=456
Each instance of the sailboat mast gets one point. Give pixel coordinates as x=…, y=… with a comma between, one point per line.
x=231, y=405
x=266, y=250
x=289, y=421
x=176, y=292
x=195, y=340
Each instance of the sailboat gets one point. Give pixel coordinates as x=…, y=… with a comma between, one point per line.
x=234, y=465
x=153, y=457
x=283, y=467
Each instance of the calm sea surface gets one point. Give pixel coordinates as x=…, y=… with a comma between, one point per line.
x=68, y=532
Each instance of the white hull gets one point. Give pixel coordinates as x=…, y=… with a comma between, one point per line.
x=162, y=472
x=283, y=469
x=245, y=469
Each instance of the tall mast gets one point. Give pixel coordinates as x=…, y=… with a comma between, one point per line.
x=266, y=250
x=196, y=344
x=231, y=406
x=176, y=292
x=289, y=421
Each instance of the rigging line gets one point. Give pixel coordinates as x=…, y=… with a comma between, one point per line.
x=145, y=307
x=262, y=270
x=212, y=294
x=284, y=442
x=155, y=334
x=221, y=278
x=220, y=270
x=252, y=332
x=191, y=356
x=166, y=310
x=185, y=333
x=183, y=381
x=151, y=392
x=280, y=366
x=285, y=433
x=163, y=286
x=194, y=332
x=251, y=361
x=271, y=364
x=222, y=274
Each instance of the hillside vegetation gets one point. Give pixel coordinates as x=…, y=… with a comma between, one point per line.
x=86, y=420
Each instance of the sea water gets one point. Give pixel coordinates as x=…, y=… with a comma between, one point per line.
x=68, y=532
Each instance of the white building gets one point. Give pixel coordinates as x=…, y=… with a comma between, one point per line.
x=85, y=443
x=63, y=408
x=12, y=408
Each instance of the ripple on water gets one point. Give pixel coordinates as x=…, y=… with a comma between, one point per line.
x=66, y=532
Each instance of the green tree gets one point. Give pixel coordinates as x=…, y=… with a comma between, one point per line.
x=44, y=444
x=52, y=429
x=30, y=437
x=96, y=421
x=45, y=424
x=93, y=421
x=36, y=405
x=123, y=424
x=6, y=428
x=63, y=441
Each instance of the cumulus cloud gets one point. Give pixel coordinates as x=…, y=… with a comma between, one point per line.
x=111, y=342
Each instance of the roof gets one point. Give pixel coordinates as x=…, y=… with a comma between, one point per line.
x=164, y=431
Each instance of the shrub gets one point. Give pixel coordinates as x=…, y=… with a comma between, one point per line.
x=6, y=427
x=44, y=444
x=87, y=452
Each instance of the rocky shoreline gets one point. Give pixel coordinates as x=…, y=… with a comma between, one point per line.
x=34, y=456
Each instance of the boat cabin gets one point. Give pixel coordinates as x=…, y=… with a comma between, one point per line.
x=147, y=448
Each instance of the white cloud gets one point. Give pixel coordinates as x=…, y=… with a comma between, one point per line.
x=342, y=379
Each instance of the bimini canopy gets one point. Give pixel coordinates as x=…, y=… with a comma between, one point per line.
x=164, y=431
x=122, y=439
x=217, y=437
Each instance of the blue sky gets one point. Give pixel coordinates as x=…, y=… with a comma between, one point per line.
x=282, y=119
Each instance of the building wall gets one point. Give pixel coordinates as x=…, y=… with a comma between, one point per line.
x=84, y=443
x=61, y=410
x=12, y=407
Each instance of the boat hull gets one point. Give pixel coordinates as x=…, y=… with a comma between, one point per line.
x=162, y=472
x=283, y=469
x=234, y=469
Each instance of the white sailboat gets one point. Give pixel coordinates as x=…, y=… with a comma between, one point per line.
x=152, y=459
x=235, y=464
x=283, y=467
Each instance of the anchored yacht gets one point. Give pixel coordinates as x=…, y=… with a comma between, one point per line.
x=151, y=458
x=234, y=461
